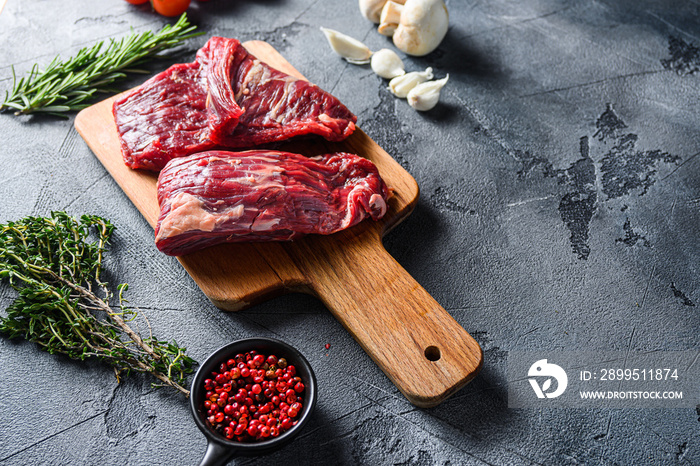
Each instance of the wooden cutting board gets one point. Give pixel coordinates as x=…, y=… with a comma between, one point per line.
x=417, y=344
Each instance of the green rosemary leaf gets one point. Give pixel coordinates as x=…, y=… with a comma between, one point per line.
x=93, y=69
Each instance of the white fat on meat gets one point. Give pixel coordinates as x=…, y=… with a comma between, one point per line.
x=187, y=214
x=377, y=203
x=266, y=175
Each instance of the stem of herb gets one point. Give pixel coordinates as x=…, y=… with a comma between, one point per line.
x=70, y=85
x=52, y=264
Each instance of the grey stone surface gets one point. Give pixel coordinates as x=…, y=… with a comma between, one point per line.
x=560, y=208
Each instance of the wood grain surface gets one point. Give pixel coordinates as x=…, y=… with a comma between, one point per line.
x=417, y=344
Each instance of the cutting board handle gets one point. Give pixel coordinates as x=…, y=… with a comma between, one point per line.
x=413, y=339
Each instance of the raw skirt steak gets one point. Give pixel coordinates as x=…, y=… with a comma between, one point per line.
x=278, y=106
x=261, y=195
x=225, y=98
x=164, y=118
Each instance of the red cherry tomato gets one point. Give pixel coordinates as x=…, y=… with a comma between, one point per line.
x=137, y=2
x=170, y=7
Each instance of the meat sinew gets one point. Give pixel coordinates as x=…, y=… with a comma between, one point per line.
x=260, y=195
x=228, y=98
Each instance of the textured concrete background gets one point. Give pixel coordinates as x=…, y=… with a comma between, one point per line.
x=560, y=208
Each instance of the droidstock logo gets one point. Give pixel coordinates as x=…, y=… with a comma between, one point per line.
x=542, y=370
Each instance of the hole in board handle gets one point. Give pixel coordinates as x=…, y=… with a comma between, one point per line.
x=432, y=353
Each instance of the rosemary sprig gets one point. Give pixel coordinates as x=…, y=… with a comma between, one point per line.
x=56, y=269
x=69, y=85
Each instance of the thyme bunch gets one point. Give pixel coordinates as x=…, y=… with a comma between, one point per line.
x=63, y=304
x=69, y=85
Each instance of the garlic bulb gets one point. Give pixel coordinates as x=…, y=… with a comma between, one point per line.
x=417, y=26
x=350, y=49
x=425, y=96
x=401, y=85
x=387, y=64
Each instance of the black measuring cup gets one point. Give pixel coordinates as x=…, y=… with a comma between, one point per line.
x=220, y=449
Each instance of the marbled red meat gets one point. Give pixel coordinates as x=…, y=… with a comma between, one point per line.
x=261, y=195
x=279, y=106
x=181, y=110
x=164, y=118
x=222, y=110
x=228, y=98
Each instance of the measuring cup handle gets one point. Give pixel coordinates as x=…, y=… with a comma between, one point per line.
x=216, y=455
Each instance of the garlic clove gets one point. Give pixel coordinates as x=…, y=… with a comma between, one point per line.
x=401, y=85
x=387, y=64
x=372, y=9
x=425, y=96
x=390, y=18
x=350, y=49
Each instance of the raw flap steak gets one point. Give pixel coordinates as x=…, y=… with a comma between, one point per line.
x=278, y=106
x=225, y=98
x=261, y=195
x=164, y=118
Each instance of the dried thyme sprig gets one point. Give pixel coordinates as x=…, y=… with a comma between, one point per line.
x=69, y=85
x=56, y=269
